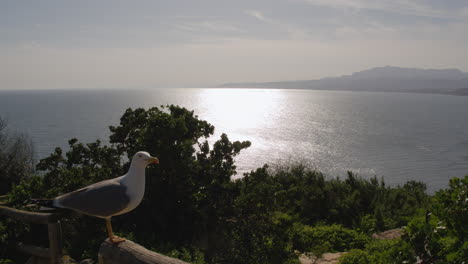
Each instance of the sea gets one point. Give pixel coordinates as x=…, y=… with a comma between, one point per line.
x=394, y=136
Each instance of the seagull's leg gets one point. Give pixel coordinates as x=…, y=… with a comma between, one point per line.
x=112, y=238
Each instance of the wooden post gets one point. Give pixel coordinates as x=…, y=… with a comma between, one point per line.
x=55, y=242
x=129, y=252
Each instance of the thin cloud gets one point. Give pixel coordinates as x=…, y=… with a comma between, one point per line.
x=179, y=45
x=293, y=31
x=211, y=26
x=258, y=15
x=405, y=7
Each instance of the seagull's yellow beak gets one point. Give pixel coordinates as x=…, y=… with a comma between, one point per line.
x=153, y=160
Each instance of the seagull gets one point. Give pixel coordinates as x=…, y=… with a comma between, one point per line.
x=108, y=198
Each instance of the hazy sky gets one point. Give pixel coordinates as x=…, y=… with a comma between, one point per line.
x=124, y=44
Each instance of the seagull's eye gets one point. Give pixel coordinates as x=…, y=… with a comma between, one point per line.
x=139, y=156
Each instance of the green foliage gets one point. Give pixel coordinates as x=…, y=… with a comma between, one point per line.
x=257, y=233
x=78, y=167
x=10, y=233
x=194, y=211
x=368, y=224
x=436, y=237
x=193, y=256
x=390, y=251
x=440, y=236
x=189, y=194
x=81, y=165
x=16, y=157
x=451, y=207
x=29, y=187
x=323, y=238
x=394, y=207
x=356, y=256
x=354, y=202
x=380, y=251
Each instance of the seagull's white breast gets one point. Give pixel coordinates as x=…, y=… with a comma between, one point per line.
x=134, y=181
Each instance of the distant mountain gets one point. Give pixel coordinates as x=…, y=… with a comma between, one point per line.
x=380, y=79
x=410, y=73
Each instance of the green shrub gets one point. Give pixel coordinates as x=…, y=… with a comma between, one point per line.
x=16, y=157
x=193, y=256
x=355, y=256
x=321, y=239
x=441, y=236
x=368, y=224
x=382, y=252
x=451, y=206
x=390, y=251
x=354, y=202
x=193, y=210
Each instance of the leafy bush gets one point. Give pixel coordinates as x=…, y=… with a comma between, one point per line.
x=308, y=195
x=256, y=233
x=193, y=210
x=381, y=251
x=441, y=236
x=16, y=157
x=188, y=196
x=451, y=206
x=356, y=256
x=193, y=256
x=323, y=238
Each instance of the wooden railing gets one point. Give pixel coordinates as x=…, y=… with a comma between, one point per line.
x=126, y=252
x=129, y=252
x=54, y=253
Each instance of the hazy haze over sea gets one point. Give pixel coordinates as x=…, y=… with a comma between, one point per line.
x=393, y=135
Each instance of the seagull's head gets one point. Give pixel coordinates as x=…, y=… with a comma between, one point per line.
x=144, y=158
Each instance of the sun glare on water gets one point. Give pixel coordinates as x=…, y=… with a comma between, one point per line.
x=235, y=111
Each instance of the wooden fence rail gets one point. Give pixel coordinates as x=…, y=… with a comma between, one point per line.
x=54, y=253
x=126, y=252
x=29, y=217
x=130, y=253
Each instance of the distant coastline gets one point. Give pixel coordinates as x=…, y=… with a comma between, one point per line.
x=380, y=79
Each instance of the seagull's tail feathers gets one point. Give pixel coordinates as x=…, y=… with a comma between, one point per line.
x=44, y=202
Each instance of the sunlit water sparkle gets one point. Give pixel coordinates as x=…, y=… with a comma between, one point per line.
x=392, y=135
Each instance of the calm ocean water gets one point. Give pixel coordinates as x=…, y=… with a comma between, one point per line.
x=393, y=135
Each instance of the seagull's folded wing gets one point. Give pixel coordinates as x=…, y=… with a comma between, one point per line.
x=102, y=199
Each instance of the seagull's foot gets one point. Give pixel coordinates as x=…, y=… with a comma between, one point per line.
x=116, y=240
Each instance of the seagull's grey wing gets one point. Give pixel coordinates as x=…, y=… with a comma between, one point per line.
x=102, y=199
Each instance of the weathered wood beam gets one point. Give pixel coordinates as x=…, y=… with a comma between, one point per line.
x=129, y=252
x=3, y=200
x=30, y=217
x=33, y=250
x=37, y=260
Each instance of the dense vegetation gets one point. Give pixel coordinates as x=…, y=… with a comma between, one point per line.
x=194, y=211
x=16, y=157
